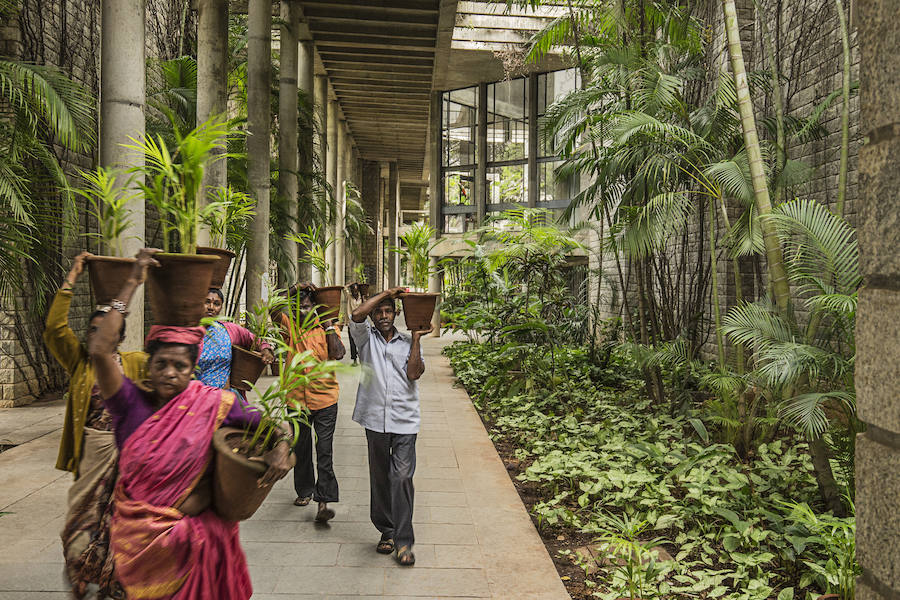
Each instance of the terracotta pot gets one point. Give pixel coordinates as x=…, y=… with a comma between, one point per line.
x=246, y=365
x=330, y=299
x=107, y=275
x=235, y=493
x=220, y=272
x=363, y=289
x=418, y=308
x=178, y=288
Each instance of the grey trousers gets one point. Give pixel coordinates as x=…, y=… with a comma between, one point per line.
x=392, y=463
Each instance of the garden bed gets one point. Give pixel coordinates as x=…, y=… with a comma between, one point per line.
x=597, y=465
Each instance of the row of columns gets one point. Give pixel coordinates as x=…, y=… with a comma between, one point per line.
x=123, y=96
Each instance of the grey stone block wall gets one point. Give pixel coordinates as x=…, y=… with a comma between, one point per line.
x=878, y=324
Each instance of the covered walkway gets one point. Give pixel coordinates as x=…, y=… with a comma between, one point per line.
x=474, y=537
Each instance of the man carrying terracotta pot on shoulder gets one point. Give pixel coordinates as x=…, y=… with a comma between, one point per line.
x=321, y=398
x=387, y=406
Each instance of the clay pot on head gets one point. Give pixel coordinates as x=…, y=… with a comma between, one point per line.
x=221, y=270
x=418, y=308
x=246, y=366
x=330, y=299
x=236, y=496
x=108, y=275
x=178, y=288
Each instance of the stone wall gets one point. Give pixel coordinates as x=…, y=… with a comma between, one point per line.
x=878, y=324
x=66, y=35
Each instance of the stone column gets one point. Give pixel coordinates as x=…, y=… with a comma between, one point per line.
x=340, y=197
x=287, y=130
x=307, y=148
x=393, y=203
x=878, y=326
x=383, y=235
x=331, y=175
x=321, y=104
x=122, y=97
x=435, y=283
x=480, y=185
x=212, y=85
x=259, y=57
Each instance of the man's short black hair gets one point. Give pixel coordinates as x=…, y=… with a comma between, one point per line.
x=155, y=346
x=389, y=302
x=103, y=313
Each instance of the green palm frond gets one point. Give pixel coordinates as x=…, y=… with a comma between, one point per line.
x=806, y=411
x=820, y=248
x=757, y=326
x=650, y=226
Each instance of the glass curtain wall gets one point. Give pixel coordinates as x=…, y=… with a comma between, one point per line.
x=506, y=155
x=459, y=124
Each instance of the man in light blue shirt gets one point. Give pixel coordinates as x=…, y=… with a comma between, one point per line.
x=387, y=405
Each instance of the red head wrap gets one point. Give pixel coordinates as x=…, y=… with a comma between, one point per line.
x=175, y=335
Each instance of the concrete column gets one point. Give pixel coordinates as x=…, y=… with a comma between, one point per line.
x=331, y=174
x=383, y=235
x=259, y=57
x=122, y=96
x=435, y=282
x=212, y=86
x=393, y=233
x=435, y=183
x=480, y=187
x=308, y=139
x=321, y=104
x=287, y=130
x=877, y=326
x=340, y=197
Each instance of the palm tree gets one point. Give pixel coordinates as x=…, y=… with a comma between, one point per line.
x=41, y=109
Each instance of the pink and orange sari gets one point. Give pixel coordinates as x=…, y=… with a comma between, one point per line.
x=161, y=553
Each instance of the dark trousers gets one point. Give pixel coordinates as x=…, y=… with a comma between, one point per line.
x=353, y=352
x=392, y=463
x=325, y=488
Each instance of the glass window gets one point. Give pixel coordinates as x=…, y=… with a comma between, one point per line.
x=459, y=125
x=458, y=188
x=551, y=88
x=507, y=120
x=507, y=184
x=552, y=188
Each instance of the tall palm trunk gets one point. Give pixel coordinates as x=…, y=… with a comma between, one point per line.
x=845, y=109
x=774, y=257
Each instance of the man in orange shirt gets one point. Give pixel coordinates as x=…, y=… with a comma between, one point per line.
x=321, y=399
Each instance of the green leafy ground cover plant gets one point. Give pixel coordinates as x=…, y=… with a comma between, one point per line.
x=599, y=452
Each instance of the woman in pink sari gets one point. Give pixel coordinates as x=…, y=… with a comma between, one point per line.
x=166, y=541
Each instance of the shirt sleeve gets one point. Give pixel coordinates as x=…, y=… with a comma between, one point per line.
x=119, y=403
x=241, y=415
x=59, y=337
x=359, y=332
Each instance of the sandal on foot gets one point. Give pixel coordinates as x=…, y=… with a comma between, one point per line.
x=302, y=500
x=405, y=557
x=385, y=546
x=324, y=514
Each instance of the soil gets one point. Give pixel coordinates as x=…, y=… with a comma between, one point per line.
x=555, y=539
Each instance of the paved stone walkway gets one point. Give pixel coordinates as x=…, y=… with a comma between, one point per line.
x=474, y=537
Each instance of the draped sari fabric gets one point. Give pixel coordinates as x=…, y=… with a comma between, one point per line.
x=160, y=552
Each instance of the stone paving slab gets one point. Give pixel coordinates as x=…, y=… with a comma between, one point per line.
x=474, y=537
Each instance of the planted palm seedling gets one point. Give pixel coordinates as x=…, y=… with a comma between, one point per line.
x=173, y=184
x=227, y=216
x=108, y=204
x=248, y=365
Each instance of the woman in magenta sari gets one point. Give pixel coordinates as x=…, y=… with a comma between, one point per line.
x=166, y=541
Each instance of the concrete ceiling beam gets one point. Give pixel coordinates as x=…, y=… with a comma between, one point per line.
x=506, y=36
x=391, y=5
x=374, y=42
x=374, y=28
x=385, y=83
x=518, y=23
x=369, y=13
x=546, y=9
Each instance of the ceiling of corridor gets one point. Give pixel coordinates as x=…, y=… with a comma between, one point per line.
x=380, y=58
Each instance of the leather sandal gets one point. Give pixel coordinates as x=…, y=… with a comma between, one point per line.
x=405, y=556
x=302, y=501
x=385, y=546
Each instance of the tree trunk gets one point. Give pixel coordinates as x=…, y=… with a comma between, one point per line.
x=774, y=257
x=845, y=110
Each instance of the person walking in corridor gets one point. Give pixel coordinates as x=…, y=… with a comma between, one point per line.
x=321, y=398
x=387, y=406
